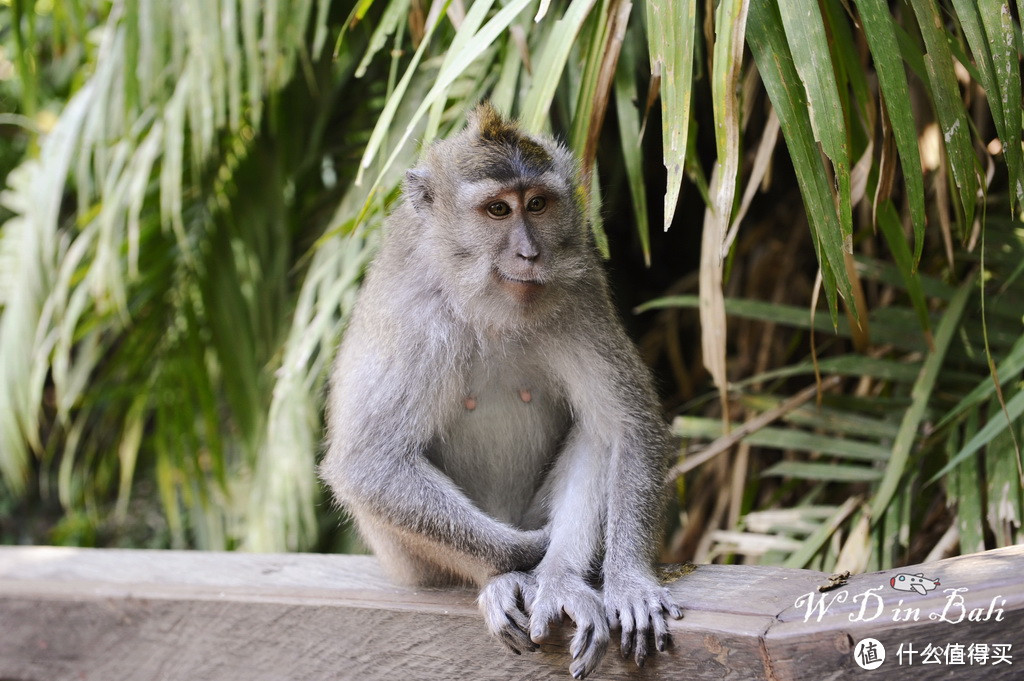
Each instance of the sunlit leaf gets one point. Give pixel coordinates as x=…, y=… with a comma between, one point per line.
x=671, y=25
x=881, y=37
x=771, y=51
x=938, y=62
x=808, y=44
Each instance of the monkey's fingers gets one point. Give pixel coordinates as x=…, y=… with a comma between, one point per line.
x=625, y=619
x=544, y=613
x=613, y=617
x=516, y=629
x=587, y=648
x=589, y=643
x=515, y=639
x=583, y=605
x=669, y=605
x=640, y=611
x=505, y=629
x=527, y=595
x=498, y=601
x=581, y=641
x=662, y=639
x=510, y=643
x=641, y=631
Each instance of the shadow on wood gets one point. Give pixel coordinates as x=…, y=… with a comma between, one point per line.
x=113, y=615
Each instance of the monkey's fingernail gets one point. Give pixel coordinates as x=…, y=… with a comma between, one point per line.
x=588, y=638
x=676, y=612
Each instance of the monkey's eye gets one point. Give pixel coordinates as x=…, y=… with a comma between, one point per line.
x=536, y=204
x=499, y=209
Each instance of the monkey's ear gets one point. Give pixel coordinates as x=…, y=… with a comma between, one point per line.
x=417, y=188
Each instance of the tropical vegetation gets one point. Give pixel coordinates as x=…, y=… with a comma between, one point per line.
x=194, y=189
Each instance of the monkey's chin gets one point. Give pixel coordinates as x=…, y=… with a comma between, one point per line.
x=523, y=291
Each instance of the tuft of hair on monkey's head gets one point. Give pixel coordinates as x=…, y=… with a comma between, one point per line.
x=491, y=126
x=508, y=151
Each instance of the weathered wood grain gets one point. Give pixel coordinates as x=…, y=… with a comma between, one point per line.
x=114, y=615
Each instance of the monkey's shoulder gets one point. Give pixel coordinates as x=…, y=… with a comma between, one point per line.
x=400, y=303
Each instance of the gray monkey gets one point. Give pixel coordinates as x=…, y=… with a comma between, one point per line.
x=490, y=423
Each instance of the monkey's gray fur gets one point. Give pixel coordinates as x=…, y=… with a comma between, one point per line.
x=489, y=420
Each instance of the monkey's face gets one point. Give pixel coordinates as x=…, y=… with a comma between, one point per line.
x=516, y=246
x=521, y=227
x=503, y=220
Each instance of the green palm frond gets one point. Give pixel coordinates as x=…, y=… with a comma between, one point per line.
x=165, y=297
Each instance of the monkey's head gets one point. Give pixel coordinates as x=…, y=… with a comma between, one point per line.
x=500, y=216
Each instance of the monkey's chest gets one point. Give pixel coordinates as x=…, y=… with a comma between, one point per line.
x=508, y=426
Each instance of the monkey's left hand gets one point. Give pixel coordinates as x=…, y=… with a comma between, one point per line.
x=506, y=601
x=637, y=603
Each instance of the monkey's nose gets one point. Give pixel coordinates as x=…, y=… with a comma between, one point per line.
x=528, y=250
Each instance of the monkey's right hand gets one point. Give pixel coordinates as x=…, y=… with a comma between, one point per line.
x=506, y=601
x=571, y=595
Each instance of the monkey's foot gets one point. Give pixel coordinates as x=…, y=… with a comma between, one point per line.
x=582, y=604
x=505, y=602
x=636, y=603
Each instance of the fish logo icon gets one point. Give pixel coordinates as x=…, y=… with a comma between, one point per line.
x=918, y=583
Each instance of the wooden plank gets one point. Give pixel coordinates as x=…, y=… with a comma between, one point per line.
x=979, y=602
x=116, y=615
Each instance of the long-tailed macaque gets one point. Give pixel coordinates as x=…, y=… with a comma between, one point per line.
x=490, y=422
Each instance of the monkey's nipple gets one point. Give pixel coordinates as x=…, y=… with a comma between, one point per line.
x=470, y=403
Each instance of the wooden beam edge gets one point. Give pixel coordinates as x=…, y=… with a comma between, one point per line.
x=741, y=621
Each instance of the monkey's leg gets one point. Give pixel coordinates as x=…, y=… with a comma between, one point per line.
x=403, y=560
x=578, y=488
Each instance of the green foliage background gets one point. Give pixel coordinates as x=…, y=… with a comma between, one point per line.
x=193, y=191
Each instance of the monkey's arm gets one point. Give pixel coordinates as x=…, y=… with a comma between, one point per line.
x=385, y=410
x=614, y=404
x=633, y=597
x=401, y=490
x=576, y=490
x=639, y=459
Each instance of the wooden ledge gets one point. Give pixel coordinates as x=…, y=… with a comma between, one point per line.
x=114, y=615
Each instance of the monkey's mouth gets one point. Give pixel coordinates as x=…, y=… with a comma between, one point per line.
x=523, y=288
x=519, y=280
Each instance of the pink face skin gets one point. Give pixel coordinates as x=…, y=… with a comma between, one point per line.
x=518, y=211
